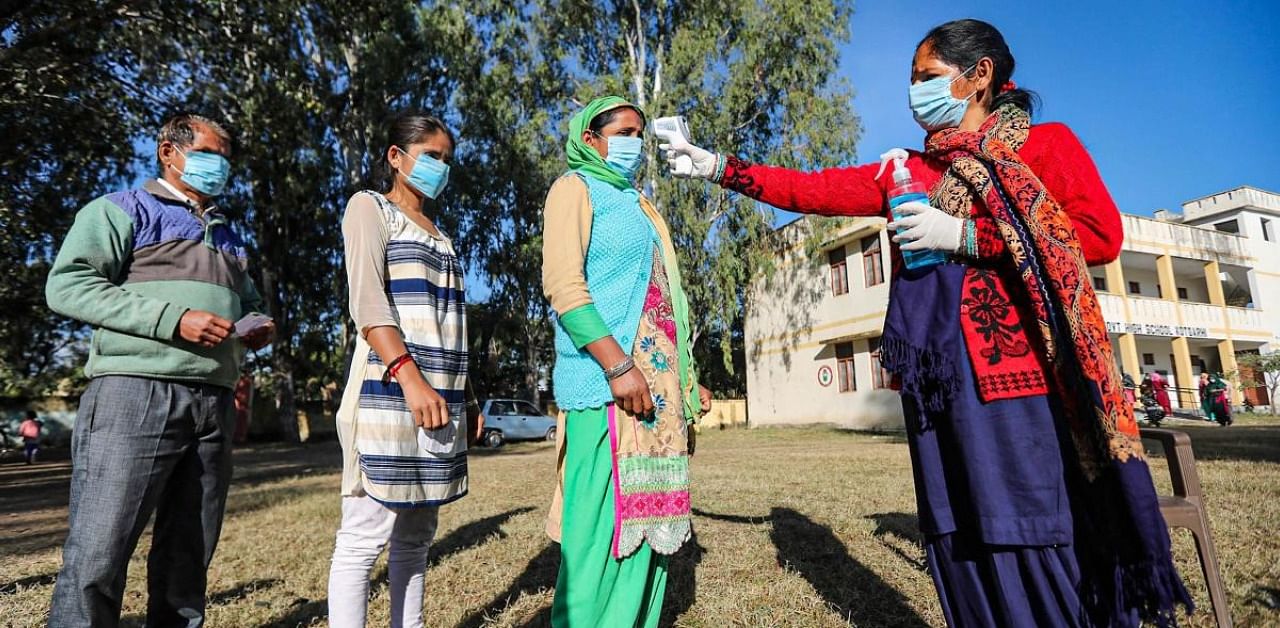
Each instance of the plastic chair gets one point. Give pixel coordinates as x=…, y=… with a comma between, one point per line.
x=1185, y=509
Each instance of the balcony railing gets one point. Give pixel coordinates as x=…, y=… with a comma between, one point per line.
x=1246, y=318
x=1148, y=310
x=1159, y=317
x=1143, y=233
x=1201, y=314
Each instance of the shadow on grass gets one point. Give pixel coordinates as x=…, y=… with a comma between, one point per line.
x=31, y=543
x=849, y=587
x=240, y=590
x=44, y=488
x=243, y=503
x=224, y=597
x=904, y=526
x=682, y=582
x=473, y=534
x=41, y=580
x=854, y=590
x=258, y=463
x=541, y=572
x=302, y=612
x=886, y=436
x=305, y=612
x=538, y=575
x=469, y=535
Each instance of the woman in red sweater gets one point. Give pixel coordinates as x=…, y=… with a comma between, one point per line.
x=1034, y=499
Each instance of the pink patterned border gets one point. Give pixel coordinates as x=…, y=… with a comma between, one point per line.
x=655, y=505
x=617, y=482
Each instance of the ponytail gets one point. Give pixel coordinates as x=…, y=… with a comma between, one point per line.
x=1023, y=99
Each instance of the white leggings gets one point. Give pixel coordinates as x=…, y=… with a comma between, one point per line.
x=367, y=527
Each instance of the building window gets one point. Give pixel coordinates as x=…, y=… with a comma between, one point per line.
x=1266, y=230
x=845, y=371
x=1229, y=226
x=1135, y=287
x=839, y=271
x=1182, y=293
x=880, y=377
x=1149, y=359
x=1100, y=284
x=872, y=266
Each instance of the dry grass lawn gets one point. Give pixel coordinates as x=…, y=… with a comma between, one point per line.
x=795, y=527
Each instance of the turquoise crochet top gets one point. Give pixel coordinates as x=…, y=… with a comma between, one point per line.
x=617, y=268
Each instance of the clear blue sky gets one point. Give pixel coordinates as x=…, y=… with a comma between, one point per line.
x=1175, y=100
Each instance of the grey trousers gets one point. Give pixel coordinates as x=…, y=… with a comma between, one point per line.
x=143, y=446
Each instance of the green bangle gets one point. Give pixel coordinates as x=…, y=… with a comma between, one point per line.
x=971, y=238
x=721, y=165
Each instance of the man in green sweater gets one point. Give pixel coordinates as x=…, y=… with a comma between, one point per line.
x=160, y=276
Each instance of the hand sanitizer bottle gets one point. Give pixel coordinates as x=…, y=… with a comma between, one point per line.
x=905, y=190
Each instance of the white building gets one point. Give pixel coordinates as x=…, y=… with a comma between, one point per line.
x=1188, y=293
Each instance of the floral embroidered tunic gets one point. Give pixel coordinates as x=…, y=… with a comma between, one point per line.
x=650, y=453
x=651, y=463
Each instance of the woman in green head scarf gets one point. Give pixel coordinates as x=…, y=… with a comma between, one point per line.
x=1206, y=397
x=624, y=378
x=1219, y=393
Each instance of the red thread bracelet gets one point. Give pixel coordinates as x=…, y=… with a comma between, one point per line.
x=394, y=367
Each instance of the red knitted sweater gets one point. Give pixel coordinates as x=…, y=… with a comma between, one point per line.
x=1052, y=151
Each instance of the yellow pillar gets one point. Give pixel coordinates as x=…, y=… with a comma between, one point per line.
x=1213, y=279
x=1187, y=380
x=1127, y=343
x=1227, y=354
x=1115, y=278
x=1129, y=356
x=1168, y=285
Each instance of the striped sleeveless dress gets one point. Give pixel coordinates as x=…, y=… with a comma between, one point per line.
x=385, y=454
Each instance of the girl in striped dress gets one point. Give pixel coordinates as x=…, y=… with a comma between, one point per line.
x=407, y=413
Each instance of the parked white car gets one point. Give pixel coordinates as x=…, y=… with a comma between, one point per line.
x=514, y=419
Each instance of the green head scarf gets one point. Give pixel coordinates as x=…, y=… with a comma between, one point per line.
x=582, y=157
x=584, y=160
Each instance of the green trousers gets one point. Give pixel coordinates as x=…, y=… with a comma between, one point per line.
x=594, y=588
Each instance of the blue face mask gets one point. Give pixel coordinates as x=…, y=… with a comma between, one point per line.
x=933, y=105
x=429, y=175
x=206, y=172
x=625, y=154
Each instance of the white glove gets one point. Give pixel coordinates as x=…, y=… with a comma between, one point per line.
x=926, y=228
x=701, y=163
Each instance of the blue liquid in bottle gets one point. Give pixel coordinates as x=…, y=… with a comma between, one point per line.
x=906, y=191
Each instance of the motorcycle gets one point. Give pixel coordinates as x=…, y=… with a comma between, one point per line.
x=1155, y=414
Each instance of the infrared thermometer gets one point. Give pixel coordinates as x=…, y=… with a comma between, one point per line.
x=670, y=129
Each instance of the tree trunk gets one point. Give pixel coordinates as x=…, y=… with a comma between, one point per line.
x=281, y=362
x=286, y=408
x=531, y=363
